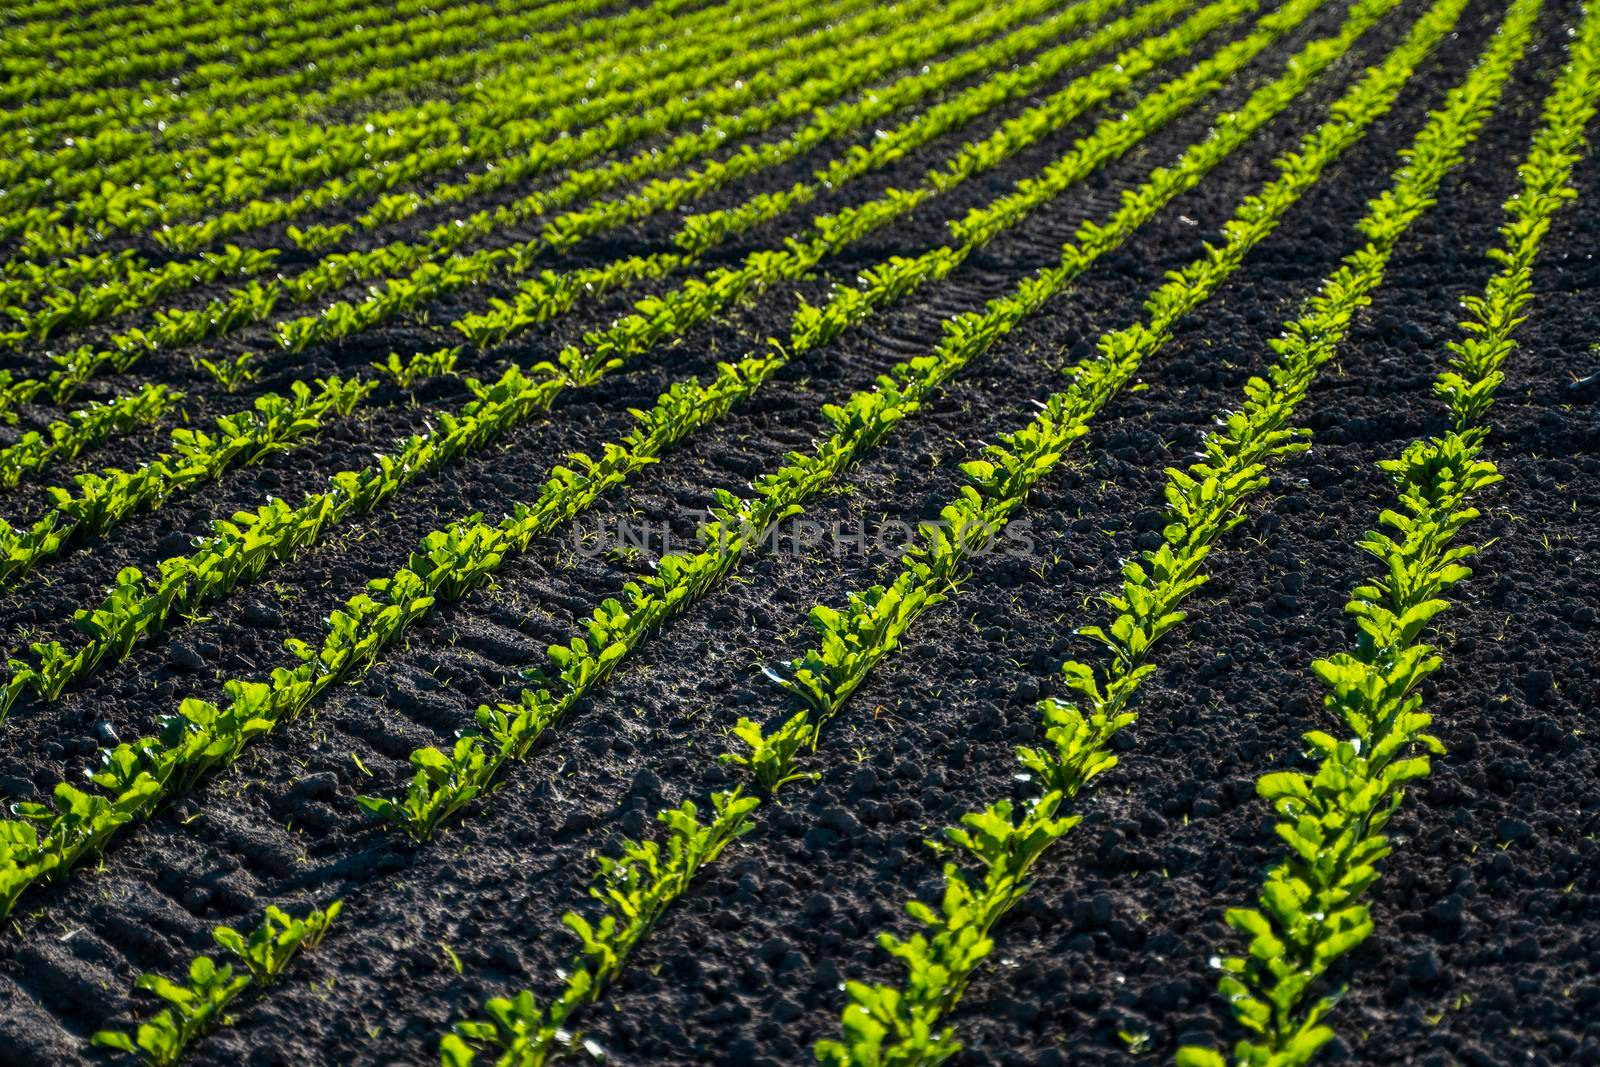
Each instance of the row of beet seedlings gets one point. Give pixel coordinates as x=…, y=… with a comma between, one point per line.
x=888, y=1025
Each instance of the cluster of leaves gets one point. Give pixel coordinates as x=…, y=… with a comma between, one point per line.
x=634, y=889
x=99, y=501
x=1311, y=911
x=83, y=429
x=198, y=1004
x=440, y=363
x=900, y=1024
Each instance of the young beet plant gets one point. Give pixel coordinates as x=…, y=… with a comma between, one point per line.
x=199, y=1004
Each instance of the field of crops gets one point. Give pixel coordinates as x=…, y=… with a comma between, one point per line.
x=868, y=532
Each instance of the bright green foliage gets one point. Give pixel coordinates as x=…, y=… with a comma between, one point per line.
x=1310, y=911
x=634, y=889
x=493, y=127
x=198, y=1004
x=255, y=302
x=102, y=500
x=896, y=1025
x=270, y=946
x=551, y=291
x=770, y=757
x=699, y=299
x=248, y=85
x=192, y=1008
x=505, y=50
x=64, y=309
x=741, y=523
x=520, y=132
x=518, y=394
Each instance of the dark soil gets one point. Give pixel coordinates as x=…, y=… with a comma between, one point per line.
x=1488, y=913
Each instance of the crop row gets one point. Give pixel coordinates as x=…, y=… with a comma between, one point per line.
x=131, y=289
x=81, y=430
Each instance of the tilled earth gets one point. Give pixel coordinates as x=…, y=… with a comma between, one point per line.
x=1488, y=913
